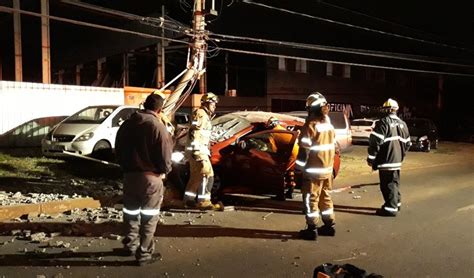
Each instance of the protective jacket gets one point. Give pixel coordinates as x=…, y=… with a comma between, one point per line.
x=139, y=151
x=316, y=148
x=388, y=143
x=200, y=134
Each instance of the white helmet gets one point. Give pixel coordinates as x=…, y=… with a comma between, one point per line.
x=315, y=101
x=391, y=104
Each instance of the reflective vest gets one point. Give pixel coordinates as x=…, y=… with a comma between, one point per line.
x=317, y=148
x=200, y=132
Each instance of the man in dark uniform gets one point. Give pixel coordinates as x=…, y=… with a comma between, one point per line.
x=143, y=147
x=388, y=144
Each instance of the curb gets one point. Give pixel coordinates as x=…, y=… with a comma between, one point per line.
x=11, y=212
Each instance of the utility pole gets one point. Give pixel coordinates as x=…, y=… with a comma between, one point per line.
x=200, y=45
x=160, y=47
x=17, y=39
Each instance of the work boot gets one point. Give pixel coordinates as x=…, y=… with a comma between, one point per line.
x=383, y=212
x=327, y=230
x=207, y=205
x=310, y=233
x=189, y=204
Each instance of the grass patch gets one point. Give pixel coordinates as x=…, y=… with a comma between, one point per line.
x=26, y=167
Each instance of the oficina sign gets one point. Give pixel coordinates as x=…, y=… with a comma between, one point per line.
x=341, y=107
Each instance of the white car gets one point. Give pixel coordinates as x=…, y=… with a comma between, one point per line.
x=361, y=129
x=90, y=131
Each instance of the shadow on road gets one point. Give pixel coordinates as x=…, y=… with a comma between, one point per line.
x=105, y=229
x=66, y=258
x=355, y=210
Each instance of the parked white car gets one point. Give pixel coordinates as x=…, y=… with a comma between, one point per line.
x=90, y=131
x=361, y=129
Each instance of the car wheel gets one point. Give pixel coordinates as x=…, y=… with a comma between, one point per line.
x=102, y=150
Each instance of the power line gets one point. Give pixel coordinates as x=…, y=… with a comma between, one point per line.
x=93, y=25
x=342, y=63
x=378, y=19
x=352, y=25
x=373, y=53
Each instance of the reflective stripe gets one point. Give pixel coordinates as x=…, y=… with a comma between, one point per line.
x=131, y=212
x=371, y=156
x=377, y=135
x=194, y=122
x=318, y=102
x=190, y=194
x=319, y=170
x=397, y=138
x=205, y=197
x=325, y=147
x=390, y=209
x=306, y=140
x=150, y=212
x=387, y=165
x=394, y=117
x=300, y=163
x=399, y=204
x=328, y=211
x=313, y=214
x=306, y=202
x=324, y=127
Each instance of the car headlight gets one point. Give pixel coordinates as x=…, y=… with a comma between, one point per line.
x=85, y=136
x=423, y=138
x=177, y=157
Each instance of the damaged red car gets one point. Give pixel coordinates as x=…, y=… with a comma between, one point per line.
x=247, y=157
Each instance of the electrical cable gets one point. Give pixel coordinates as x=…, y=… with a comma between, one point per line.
x=373, y=53
x=352, y=25
x=342, y=63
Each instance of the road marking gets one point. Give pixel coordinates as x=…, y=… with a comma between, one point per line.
x=465, y=208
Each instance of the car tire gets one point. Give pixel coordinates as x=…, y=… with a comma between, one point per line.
x=102, y=150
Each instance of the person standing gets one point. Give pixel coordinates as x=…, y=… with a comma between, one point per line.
x=277, y=140
x=143, y=148
x=315, y=160
x=198, y=189
x=388, y=144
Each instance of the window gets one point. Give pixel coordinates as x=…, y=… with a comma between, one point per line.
x=329, y=69
x=281, y=64
x=301, y=66
x=347, y=71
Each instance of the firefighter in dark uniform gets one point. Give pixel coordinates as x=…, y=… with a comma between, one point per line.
x=198, y=189
x=315, y=160
x=388, y=144
x=143, y=147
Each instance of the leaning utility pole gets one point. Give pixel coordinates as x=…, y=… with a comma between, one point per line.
x=200, y=44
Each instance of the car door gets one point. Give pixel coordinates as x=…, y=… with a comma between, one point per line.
x=117, y=120
x=256, y=165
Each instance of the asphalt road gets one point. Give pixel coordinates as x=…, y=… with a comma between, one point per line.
x=433, y=236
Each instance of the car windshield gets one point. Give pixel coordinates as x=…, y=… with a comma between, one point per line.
x=91, y=115
x=226, y=126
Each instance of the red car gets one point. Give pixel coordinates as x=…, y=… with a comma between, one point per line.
x=242, y=156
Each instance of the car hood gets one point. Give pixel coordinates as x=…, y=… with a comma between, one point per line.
x=74, y=129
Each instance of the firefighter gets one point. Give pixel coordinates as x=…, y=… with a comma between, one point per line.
x=143, y=148
x=201, y=180
x=315, y=160
x=283, y=139
x=388, y=144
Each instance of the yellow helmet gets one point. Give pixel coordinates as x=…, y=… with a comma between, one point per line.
x=316, y=101
x=391, y=104
x=209, y=97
